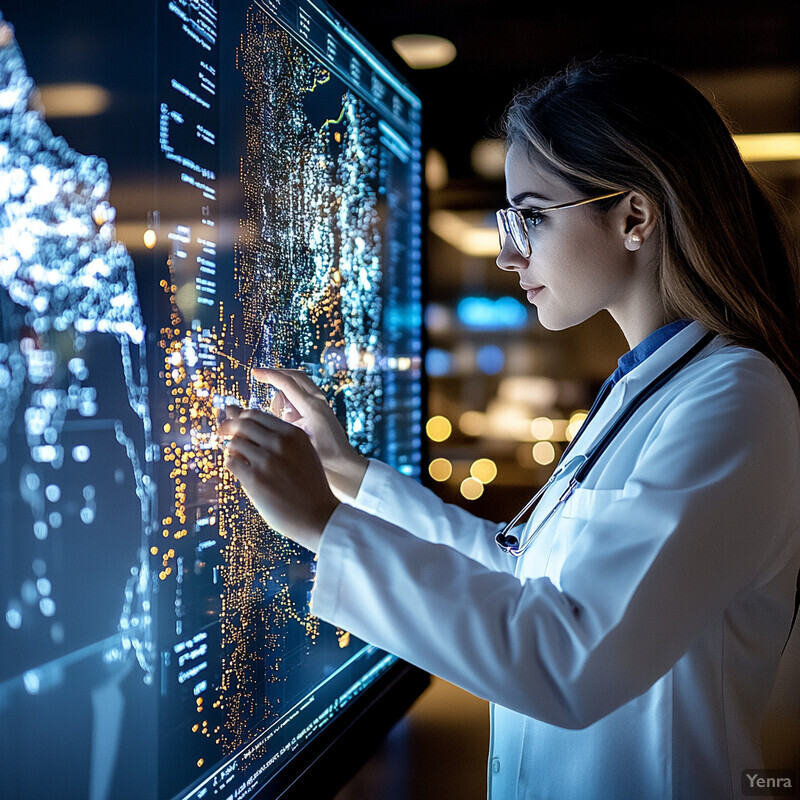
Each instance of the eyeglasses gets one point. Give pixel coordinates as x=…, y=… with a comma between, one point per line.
x=516, y=222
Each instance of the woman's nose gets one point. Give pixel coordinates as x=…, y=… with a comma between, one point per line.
x=509, y=258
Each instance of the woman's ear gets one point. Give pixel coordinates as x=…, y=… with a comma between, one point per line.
x=637, y=220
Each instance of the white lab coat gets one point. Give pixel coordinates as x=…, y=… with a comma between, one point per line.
x=630, y=652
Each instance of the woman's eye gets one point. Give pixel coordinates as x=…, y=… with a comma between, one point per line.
x=535, y=219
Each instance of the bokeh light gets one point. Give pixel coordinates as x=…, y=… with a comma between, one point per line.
x=542, y=428
x=483, y=470
x=544, y=453
x=438, y=428
x=471, y=488
x=576, y=419
x=440, y=469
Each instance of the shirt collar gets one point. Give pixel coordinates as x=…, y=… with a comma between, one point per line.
x=646, y=347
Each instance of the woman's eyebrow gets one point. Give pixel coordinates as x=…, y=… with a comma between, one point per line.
x=517, y=199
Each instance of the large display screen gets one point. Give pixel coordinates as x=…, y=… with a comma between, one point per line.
x=244, y=192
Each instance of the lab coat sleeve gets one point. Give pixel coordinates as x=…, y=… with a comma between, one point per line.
x=707, y=511
x=396, y=498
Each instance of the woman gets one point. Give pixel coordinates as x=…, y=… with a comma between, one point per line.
x=628, y=636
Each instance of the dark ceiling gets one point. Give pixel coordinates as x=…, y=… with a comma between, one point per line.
x=503, y=45
x=746, y=53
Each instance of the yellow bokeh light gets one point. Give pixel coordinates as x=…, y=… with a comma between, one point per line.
x=544, y=453
x=472, y=423
x=483, y=470
x=149, y=238
x=542, y=428
x=438, y=428
x=575, y=421
x=471, y=488
x=440, y=469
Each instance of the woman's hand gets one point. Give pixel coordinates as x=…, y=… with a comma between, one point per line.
x=281, y=473
x=299, y=401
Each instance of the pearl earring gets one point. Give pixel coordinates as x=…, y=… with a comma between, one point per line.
x=633, y=242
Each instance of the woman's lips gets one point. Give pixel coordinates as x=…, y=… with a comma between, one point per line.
x=531, y=292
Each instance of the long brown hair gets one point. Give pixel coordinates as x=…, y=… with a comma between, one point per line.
x=727, y=258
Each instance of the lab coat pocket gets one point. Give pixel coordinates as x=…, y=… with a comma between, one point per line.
x=585, y=503
x=575, y=516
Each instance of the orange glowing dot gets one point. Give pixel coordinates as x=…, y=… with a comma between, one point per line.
x=195, y=727
x=167, y=427
x=154, y=551
x=200, y=762
x=149, y=238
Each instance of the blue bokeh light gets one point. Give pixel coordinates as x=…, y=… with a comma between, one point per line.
x=492, y=314
x=490, y=359
x=438, y=362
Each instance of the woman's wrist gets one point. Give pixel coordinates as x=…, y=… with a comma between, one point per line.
x=346, y=477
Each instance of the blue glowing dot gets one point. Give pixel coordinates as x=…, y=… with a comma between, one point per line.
x=29, y=593
x=47, y=606
x=81, y=453
x=490, y=359
x=31, y=681
x=483, y=312
x=14, y=618
x=438, y=362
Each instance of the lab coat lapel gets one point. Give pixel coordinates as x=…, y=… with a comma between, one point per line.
x=635, y=381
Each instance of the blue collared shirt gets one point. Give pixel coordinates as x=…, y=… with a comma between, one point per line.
x=636, y=356
x=646, y=347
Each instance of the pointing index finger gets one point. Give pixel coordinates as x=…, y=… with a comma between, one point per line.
x=298, y=388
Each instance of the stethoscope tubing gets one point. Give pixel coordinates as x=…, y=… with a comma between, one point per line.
x=509, y=543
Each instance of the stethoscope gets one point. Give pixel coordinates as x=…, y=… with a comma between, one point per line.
x=583, y=464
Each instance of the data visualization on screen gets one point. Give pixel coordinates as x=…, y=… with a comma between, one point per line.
x=158, y=638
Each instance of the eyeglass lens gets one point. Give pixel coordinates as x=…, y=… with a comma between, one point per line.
x=510, y=222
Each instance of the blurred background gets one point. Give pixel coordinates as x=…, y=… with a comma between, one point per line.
x=505, y=394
